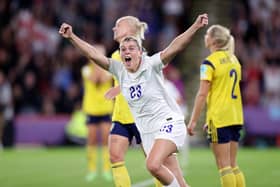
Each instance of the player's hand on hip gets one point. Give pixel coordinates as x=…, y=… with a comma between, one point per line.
x=65, y=30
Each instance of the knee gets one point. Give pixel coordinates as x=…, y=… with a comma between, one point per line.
x=233, y=163
x=222, y=163
x=116, y=156
x=91, y=141
x=152, y=166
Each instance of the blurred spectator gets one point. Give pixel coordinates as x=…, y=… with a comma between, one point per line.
x=257, y=31
x=71, y=98
x=30, y=100
x=258, y=48
x=48, y=107
x=172, y=10
x=272, y=79
x=6, y=112
x=5, y=13
x=272, y=90
x=44, y=71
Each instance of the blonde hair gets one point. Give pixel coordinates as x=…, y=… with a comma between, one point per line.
x=222, y=38
x=132, y=38
x=139, y=26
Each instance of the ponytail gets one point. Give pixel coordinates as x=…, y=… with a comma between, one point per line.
x=231, y=46
x=142, y=29
x=223, y=40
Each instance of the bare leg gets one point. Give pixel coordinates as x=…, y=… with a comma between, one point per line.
x=118, y=146
x=222, y=154
x=173, y=165
x=240, y=178
x=159, y=153
x=233, y=153
x=105, y=131
x=91, y=139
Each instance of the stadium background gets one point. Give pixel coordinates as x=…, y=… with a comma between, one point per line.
x=43, y=70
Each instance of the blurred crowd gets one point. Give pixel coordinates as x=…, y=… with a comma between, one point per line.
x=40, y=72
x=43, y=71
x=256, y=27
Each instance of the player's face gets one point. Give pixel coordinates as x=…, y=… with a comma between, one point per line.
x=121, y=30
x=130, y=55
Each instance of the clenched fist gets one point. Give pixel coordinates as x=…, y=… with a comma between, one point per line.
x=66, y=30
x=201, y=20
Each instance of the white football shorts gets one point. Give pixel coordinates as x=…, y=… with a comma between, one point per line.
x=174, y=131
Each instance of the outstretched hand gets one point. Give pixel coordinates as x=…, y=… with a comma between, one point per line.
x=65, y=30
x=201, y=20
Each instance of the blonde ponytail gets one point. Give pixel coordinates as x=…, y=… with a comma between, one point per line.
x=143, y=26
x=222, y=38
x=231, y=46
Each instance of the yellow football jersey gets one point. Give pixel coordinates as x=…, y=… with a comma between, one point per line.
x=94, y=102
x=224, y=104
x=121, y=111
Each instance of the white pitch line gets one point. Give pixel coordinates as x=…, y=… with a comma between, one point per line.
x=143, y=183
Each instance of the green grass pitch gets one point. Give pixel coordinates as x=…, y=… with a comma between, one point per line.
x=66, y=167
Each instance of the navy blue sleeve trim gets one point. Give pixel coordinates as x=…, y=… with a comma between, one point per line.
x=206, y=62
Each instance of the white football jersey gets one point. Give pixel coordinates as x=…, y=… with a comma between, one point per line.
x=144, y=91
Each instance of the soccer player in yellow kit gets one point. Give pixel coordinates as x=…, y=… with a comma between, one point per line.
x=98, y=112
x=220, y=74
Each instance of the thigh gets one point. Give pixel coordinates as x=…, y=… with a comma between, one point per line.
x=92, y=134
x=118, y=146
x=161, y=150
x=119, y=140
x=233, y=153
x=222, y=154
x=105, y=131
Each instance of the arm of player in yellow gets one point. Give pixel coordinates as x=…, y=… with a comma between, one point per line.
x=112, y=92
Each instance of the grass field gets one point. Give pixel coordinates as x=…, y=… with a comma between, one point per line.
x=65, y=167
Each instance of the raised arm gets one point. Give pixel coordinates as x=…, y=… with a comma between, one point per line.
x=88, y=50
x=181, y=41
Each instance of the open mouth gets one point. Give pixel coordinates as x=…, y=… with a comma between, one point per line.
x=127, y=59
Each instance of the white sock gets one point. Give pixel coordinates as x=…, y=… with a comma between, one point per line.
x=174, y=183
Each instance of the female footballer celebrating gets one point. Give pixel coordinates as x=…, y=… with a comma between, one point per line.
x=157, y=116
